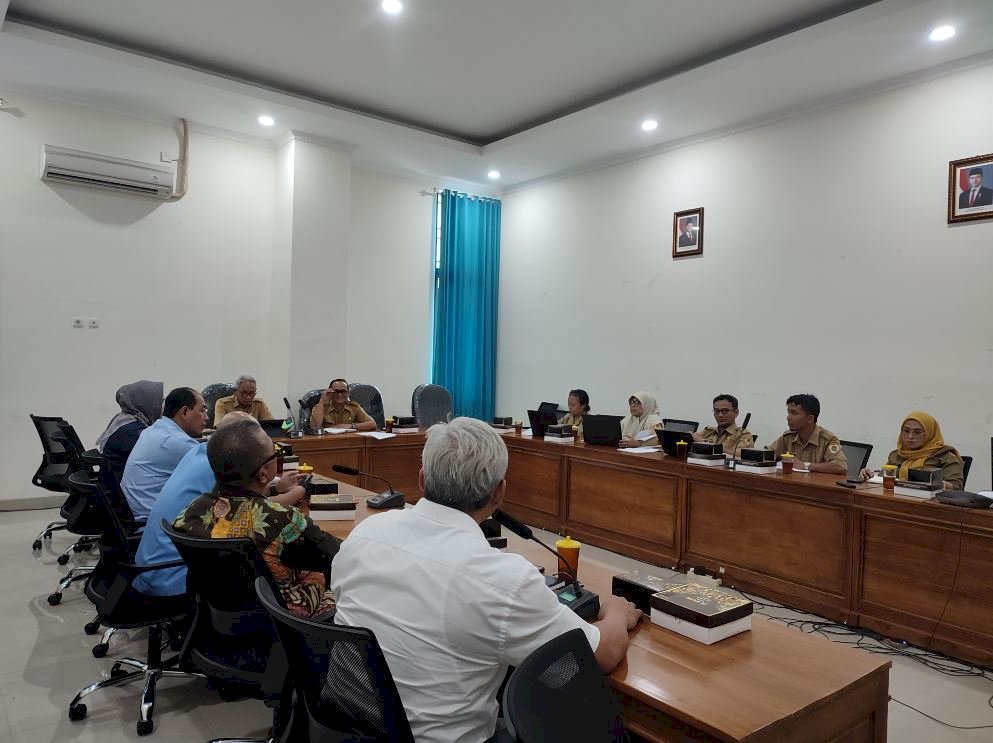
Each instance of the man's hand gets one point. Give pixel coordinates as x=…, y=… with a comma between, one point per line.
x=325, y=396
x=866, y=473
x=697, y=436
x=291, y=497
x=284, y=483
x=615, y=605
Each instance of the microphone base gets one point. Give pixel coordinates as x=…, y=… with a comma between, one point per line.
x=586, y=606
x=387, y=499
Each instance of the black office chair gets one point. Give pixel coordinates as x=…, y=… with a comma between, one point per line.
x=371, y=400
x=432, y=404
x=121, y=606
x=559, y=693
x=211, y=394
x=307, y=403
x=674, y=424
x=344, y=688
x=413, y=398
x=53, y=472
x=966, y=466
x=857, y=455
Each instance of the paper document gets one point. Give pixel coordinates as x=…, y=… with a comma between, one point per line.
x=878, y=479
x=647, y=436
x=339, y=430
x=377, y=434
x=640, y=449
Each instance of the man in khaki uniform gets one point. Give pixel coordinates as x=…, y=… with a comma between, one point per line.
x=727, y=431
x=335, y=410
x=815, y=448
x=243, y=400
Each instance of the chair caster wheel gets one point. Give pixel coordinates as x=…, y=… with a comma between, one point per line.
x=91, y=628
x=229, y=694
x=117, y=672
x=100, y=650
x=62, y=559
x=36, y=544
x=55, y=599
x=77, y=713
x=144, y=727
x=48, y=535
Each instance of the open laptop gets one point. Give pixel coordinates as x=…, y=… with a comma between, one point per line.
x=273, y=427
x=669, y=438
x=540, y=420
x=602, y=430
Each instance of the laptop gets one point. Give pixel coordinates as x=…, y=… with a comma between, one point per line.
x=273, y=427
x=602, y=430
x=669, y=438
x=540, y=420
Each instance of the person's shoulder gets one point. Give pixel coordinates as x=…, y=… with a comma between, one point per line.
x=224, y=400
x=947, y=454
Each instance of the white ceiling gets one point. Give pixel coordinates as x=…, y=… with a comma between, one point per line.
x=476, y=70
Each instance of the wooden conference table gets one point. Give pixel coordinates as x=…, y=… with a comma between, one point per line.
x=770, y=684
x=909, y=569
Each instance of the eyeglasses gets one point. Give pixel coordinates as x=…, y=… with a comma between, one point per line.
x=264, y=463
x=722, y=411
x=338, y=392
x=911, y=432
x=247, y=393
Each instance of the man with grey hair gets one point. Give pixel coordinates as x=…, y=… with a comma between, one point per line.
x=243, y=399
x=450, y=612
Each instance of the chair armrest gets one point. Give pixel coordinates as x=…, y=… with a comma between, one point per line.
x=126, y=573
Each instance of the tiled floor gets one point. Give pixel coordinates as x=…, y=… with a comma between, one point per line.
x=45, y=658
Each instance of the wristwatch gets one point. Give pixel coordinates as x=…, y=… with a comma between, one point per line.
x=806, y=466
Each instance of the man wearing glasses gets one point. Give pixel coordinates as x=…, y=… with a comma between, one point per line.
x=727, y=431
x=244, y=399
x=335, y=410
x=296, y=551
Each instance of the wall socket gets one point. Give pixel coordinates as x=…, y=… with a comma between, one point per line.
x=93, y=323
x=77, y=323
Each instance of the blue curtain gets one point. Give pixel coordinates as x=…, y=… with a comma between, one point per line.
x=465, y=305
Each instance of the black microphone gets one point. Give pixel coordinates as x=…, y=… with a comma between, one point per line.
x=289, y=416
x=390, y=499
x=524, y=532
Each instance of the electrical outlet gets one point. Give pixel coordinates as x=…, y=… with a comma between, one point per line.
x=93, y=323
x=77, y=323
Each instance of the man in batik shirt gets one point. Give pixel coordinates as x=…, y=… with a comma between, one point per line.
x=297, y=552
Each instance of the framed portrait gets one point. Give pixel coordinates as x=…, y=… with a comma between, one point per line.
x=687, y=233
x=970, y=188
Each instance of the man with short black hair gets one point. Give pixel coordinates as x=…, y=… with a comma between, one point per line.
x=815, y=448
x=244, y=399
x=451, y=613
x=335, y=410
x=727, y=432
x=297, y=552
x=161, y=446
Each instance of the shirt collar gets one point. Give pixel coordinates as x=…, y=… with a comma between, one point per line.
x=815, y=436
x=446, y=515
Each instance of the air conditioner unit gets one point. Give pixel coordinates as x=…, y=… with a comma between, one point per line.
x=62, y=165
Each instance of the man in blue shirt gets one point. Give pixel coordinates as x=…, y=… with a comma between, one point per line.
x=191, y=479
x=161, y=446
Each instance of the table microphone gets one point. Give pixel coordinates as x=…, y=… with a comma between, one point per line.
x=582, y=601
x=387, y=499
x=289, y=417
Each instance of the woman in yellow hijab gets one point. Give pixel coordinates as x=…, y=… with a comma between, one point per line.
x=920, y=445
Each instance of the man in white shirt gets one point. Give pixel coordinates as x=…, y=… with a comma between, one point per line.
x=450, y=612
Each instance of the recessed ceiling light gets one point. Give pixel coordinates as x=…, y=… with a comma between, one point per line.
x=266, y=120
x=493, y=174
x=942, y=33
x=649, y=125
x=392, y=6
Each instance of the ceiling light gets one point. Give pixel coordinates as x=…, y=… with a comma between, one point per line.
x=942, y=33
x=392, y=6
x=649, y=125
x=266, y=120
x=493, y=174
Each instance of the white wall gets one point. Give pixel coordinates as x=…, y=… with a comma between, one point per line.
x=828, y=267
x=182, y=290
x=390, y=278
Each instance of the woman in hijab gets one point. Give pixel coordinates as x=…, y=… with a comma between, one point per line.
x=141, y=405
x=644, y=416
x=920, y=445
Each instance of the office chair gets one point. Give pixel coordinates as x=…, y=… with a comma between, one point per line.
x=371, y=400
x=307, y=403
x=121, y=606
x=211, y=394
x=559, y=693
x=857, y=455
x=344, y=688
x=966, y=466
x=432, y=404
x=53, y=472
x=674, y=424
